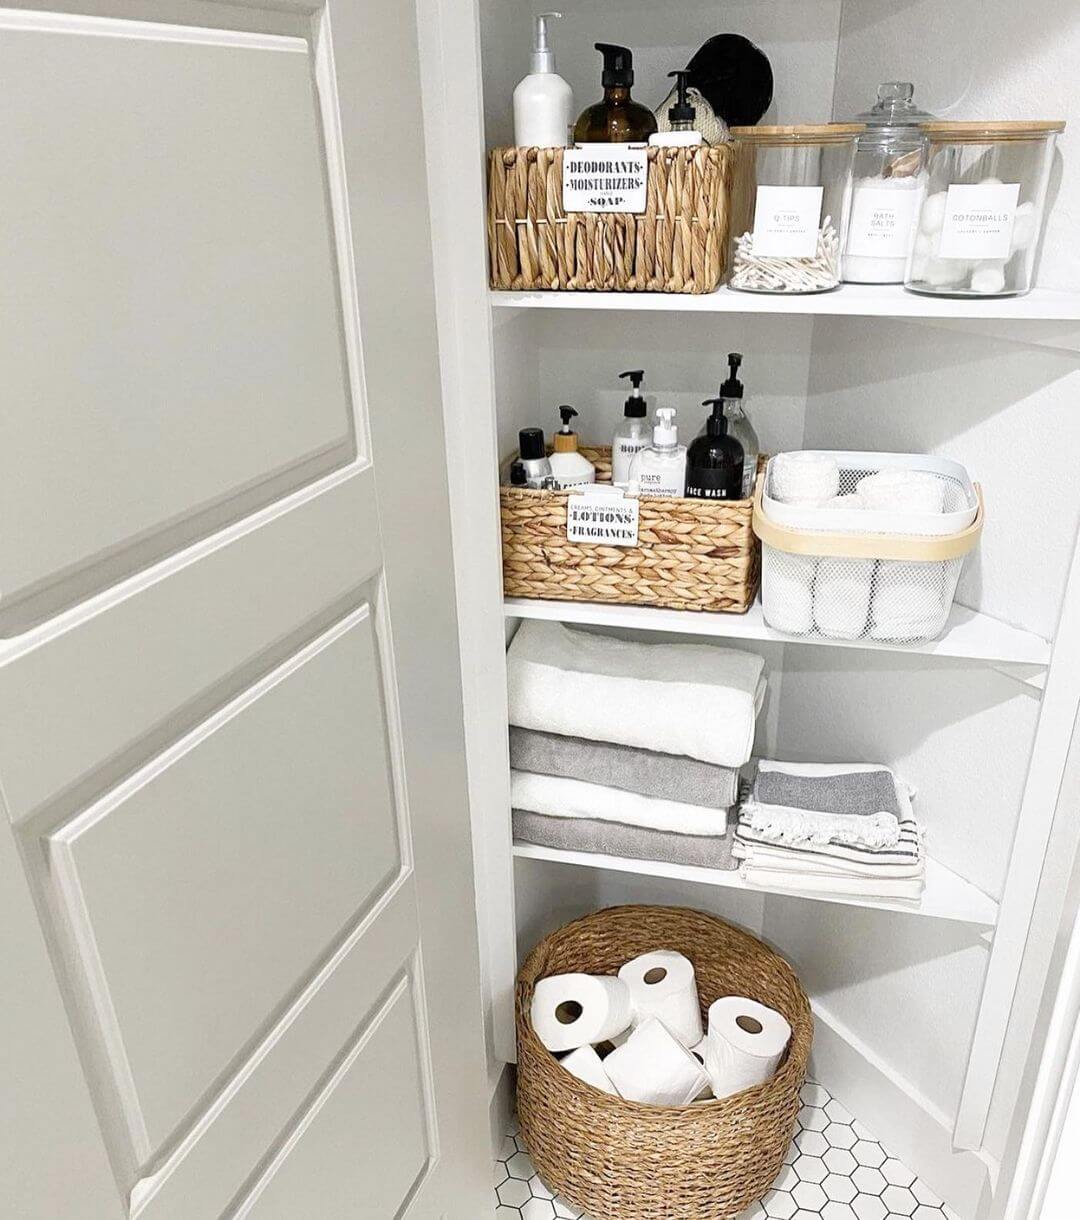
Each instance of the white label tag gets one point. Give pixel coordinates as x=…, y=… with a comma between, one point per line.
x=604, y=520
x=605, y=178
x=787, y=221
x=979, y=220
x=882, y=221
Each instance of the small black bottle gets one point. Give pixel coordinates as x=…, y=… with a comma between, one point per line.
x=714, y=462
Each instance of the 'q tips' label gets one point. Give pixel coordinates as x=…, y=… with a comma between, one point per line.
x=605, y=178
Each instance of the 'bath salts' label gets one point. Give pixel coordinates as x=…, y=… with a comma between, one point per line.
x=606, y=522
x=882, y=220
x=787, y=221
x=605, y=178
x=979, y=220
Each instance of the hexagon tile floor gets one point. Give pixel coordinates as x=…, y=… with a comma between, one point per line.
x=834, y=1170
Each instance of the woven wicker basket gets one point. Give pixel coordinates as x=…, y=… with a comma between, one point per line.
x=621, y=1160
x=692, y=554
x=678, y=244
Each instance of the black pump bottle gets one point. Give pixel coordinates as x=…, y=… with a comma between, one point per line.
x=714, y=462
x=618, y=119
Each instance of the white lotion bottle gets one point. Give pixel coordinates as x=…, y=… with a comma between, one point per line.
x=569, y=468
x=543, y=101
x=632, y=434
x=660, y=470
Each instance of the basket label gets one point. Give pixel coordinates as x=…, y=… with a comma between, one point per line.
x=979, y=220
x=605, y=178
x=882, y=220
x=608, y=519
x=787, y=221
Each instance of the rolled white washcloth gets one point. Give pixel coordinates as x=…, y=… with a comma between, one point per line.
x=842, y=597
x=804, y=477
x=908, y=601
x=787, y=592
x=654, y=1067
x=905, y=491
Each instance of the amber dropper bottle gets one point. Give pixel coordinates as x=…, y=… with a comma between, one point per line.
x=618, y=119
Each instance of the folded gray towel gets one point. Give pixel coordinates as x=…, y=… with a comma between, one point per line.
x=666, y=777
x=859, y=792
x=630, y=842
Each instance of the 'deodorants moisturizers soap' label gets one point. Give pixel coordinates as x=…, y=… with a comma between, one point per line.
x=979, y=220
x=787, y=221
x=605, y=178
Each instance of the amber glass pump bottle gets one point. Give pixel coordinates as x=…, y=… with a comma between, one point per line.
x=618, y=119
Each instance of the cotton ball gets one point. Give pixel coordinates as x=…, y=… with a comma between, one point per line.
x=924, y=245
x=1023, y=233
x=946, y=272
x=991, y=182
x=989, y=276
x=932, y=219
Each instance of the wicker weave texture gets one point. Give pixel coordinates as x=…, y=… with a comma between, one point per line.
x=621, y=1160
x=691, y=554
x=678, y=244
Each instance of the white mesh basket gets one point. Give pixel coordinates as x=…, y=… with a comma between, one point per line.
x=840, y=582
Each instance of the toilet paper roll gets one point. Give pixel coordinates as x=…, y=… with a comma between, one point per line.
x=654, y=1066
x=572, y=1010
x=744, y=1045
x=662, y=985
x=699, y=1052
x=585, y=1064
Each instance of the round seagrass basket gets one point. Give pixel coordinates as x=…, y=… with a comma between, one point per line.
x=622, y=1160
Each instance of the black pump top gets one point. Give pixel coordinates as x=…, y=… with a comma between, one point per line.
x=634, y=407
x=531, y=444
x=618, y=65
x=568, y=413
x=518, y=477
x=716, y=424
x=733, y=387
x=682, y=111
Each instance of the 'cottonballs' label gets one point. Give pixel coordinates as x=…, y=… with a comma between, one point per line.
x=979, y=220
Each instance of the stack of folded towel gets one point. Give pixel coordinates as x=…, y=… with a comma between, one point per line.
x=831, y=829
x=628, y=748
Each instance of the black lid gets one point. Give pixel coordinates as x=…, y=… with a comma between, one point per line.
x=682, y=111
x=716, y=424
x=735, y=78
x=567, y=413
x=618, y=65
x=518, y=477
x=733, y=387
x=634, y=407
x=531, y=444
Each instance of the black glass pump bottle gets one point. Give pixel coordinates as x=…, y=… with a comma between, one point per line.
x=618, y=119
x=714, y=462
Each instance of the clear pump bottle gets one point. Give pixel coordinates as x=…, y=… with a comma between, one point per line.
x=660, y=469
x=632, y=434
x=739, y=425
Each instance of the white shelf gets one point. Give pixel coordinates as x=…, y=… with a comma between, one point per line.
x=968, y=634
x=947, y=895
x=851, y=300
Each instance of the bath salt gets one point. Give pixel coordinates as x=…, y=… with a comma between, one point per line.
x=884, y=215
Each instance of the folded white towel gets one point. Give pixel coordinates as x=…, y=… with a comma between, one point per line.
x=783, y=824
x=693, y=699
x=842, y=597
x=804, y=477
x=573, y=798
x=909, y=601
x=885, y=889
x=786, y=860
x=902, y=491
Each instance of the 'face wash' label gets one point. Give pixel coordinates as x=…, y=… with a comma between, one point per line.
x=605, y=178
x=787, y=221
x=979, y=220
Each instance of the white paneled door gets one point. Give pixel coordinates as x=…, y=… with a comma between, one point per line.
x=236, y=900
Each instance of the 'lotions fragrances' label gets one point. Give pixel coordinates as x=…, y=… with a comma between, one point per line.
x=979, y=220
x=605, y=521
x=605, y=178
x=787, y=221
x=882, y=220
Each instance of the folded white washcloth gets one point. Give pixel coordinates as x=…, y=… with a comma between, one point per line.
x=884, y=888
x=785, y=824
x=842, y=597
x=787, y=592
x=573, y=798
x=909, y=601
x=786, y=860
x=692, y=699
x=903, y=491
x=804, y=477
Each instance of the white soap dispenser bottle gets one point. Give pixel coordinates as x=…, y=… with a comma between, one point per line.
x=660, y=470
x=632, y=434
x=543, y=101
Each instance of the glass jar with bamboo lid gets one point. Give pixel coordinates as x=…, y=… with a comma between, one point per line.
x=790, y=206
